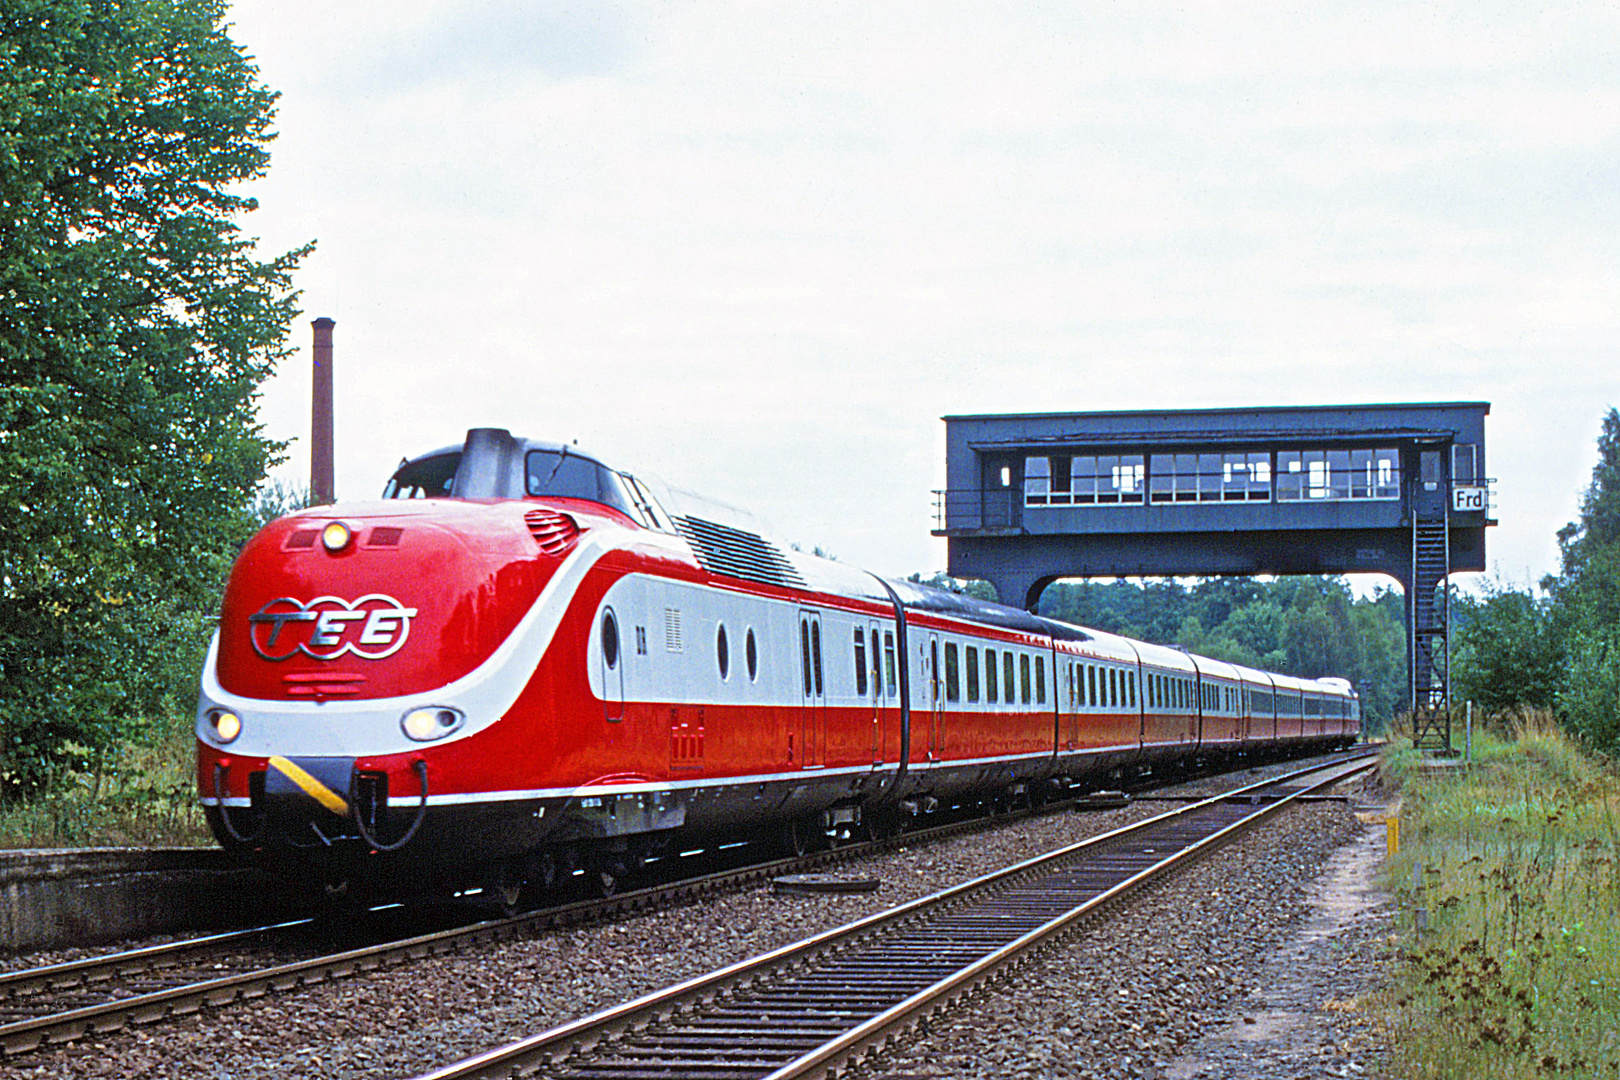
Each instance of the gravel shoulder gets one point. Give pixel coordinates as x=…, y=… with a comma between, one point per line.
x=1136, y=995
x=1249, y=967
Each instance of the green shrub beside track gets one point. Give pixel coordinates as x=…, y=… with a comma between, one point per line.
x=1513, y=866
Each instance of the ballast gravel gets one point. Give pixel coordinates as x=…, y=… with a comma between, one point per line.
x=1145, y=992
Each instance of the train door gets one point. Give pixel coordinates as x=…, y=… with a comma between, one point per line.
x=610, y=654
x=813, y=719
x=1057, y=698
x=936, y=697
x=1069, y=721
x=880, y=701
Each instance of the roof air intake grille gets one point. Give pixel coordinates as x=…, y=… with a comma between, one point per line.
x=554, y=532
x=731, y=552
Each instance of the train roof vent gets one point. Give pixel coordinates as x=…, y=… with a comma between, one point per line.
x=384, y=536
x=301, y=539
x=554, y=532
x=731, y=552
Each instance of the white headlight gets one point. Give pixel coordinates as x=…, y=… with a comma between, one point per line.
x=227, y=725
x=431, y=722
x=336, y=536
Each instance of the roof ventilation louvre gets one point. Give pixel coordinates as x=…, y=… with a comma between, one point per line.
x=300, y=538
x=732, y=552
x=384, y=536
x=554, y=532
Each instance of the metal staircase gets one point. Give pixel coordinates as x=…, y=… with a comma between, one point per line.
x=1430, y=615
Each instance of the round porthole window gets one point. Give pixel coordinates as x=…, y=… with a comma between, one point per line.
x=752, y=653
x=722, y=651
x=610, y=638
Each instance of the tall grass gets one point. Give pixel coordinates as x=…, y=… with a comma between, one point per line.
x=147, y=796
x=1514, y=867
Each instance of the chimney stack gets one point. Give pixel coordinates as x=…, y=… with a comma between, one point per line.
x=322, y=485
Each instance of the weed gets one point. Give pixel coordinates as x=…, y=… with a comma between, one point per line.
x=1516, y=864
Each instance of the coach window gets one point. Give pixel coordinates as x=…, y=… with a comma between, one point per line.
x=1023, y=677
x=804, y=653
x=877, y=665
x=1091, y=684
x=1040, y=680
x=888, y=660
x=991, y=693
x=1131, y=679
x=610, y=639
x=815, y=652
x=751, y=652
x=953, y=674
x=973, y=673
x=1008, y=677
x=860, y=662
x=722, y=652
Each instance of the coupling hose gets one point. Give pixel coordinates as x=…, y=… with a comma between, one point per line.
x=225, y=811
x=416, y=822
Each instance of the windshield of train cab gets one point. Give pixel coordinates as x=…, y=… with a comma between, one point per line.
x=569, y=476
x=425, y=478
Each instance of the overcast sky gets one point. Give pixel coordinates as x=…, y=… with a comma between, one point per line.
x=760, y=249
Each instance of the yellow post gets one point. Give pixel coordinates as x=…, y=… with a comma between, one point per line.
x=1393, y=824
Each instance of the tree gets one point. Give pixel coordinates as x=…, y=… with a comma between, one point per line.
x=139, y=326
x=1504, y=655
x=1584, y=619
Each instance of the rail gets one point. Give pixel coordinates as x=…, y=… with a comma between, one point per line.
x=807, y=1008
x=29, y=1018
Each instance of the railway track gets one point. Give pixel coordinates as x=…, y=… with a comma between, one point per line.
x=65, y=1002
x=808, y=1008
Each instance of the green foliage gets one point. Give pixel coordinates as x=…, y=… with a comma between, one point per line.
x=1515, y=650
x=139, y=329
x=1514, y=865
x=1504, y=656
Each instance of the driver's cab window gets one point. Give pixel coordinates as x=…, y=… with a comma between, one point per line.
x=425, y=478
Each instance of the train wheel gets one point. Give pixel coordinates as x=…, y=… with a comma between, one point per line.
x=804, y=835
x=505, y=888
x=795, y=842
x=885, y=826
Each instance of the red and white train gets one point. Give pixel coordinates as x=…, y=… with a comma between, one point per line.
x=521, y=660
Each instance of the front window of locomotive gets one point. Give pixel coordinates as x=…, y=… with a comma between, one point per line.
x=570, y=476
x=428, y=477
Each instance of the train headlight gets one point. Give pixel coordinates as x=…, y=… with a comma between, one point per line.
x=226, y=724
x=336, y=536
x=431, y=722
